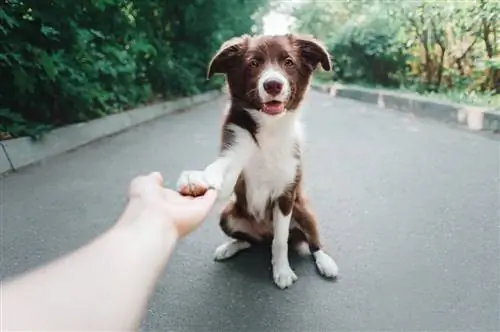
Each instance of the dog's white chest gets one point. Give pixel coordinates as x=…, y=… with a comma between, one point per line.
x=271, y=168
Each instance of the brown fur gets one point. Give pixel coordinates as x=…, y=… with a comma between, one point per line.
x=235, y=58
x=235, y=219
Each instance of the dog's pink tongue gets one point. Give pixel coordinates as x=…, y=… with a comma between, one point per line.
x=273, y=108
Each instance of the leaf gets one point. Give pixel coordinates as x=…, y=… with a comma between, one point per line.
x=23, y=81
x=5, y=59
x=48, y=65
x=7, y=114
x=5, y=18
x=101, y=55
x=49, y=32
x=97, y=33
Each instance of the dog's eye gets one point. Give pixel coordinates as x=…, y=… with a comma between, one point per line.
x=254, y=63
x=289, y=62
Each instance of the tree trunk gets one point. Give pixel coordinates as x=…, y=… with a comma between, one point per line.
x=441, y=68
x=460, y=67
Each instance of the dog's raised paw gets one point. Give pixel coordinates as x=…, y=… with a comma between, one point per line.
x=192, y=183
x=229, y=249
x=284, y=276
x=326, y=265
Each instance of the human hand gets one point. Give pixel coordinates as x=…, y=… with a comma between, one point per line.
x=148, y=196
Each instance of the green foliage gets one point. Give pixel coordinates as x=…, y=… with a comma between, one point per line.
x=368, y=49
x=442, y=47
x=67, y=61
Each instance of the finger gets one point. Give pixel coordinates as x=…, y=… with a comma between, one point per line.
x=173, y=196
x=157, y=177
x=136, y=183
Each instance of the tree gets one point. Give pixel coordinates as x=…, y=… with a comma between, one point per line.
x=66, y=61
x=432, y=46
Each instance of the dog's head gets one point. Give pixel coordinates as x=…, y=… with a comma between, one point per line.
x=269, y=73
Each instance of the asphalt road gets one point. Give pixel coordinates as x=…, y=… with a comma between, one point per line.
x=409, y=209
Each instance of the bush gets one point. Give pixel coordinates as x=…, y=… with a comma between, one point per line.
x=446, y=48
x=67, y=61
x=368, y=49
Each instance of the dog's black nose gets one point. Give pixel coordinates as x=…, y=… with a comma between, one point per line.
x=273, y=87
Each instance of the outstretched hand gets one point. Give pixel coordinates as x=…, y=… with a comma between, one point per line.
x=121, y=266
x=148, y=196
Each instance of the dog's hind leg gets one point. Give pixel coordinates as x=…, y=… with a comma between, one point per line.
x=238, y=229
x=298, y=241
x=307, y=222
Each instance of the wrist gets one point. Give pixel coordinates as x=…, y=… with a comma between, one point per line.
x=148, y=220
x=145, y=241
x=154, y=220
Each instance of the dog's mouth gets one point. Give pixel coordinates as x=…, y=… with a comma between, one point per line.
x=273, y=107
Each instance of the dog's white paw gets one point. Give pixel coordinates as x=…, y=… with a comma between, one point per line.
x=213, y=178
x=229, y=249
x=195, y=183
x=325, y=264
x=283, y=275
x=302, y=249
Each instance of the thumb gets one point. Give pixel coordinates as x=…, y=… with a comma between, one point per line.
x=157, y=177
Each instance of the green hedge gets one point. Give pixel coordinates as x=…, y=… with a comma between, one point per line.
x=67, y=61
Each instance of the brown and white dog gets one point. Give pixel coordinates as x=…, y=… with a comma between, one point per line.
x=259, y=163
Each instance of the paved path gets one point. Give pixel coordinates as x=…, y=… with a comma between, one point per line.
x=409, y=209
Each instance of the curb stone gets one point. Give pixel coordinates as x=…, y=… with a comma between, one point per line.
x=5, y=165
x=473, y=117
x=20, y=152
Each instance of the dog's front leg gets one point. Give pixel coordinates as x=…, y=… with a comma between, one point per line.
x=283, y=274
x=223, y=172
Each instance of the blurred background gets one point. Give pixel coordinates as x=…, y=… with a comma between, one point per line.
x=444, y=47
x=68, y=61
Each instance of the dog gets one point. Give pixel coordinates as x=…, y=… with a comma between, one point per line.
x=259, y=166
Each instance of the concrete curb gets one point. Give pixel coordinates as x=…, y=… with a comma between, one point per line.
x=5, y=164
x=475, y=118
x=20, y=152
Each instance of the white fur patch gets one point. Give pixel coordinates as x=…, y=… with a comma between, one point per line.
x=229, y=249
x=201, y=179
x=325, y=264
x=273, y=73
x=223, y=173
x=302, y=249
x=269, y=168
x=273, y=165
x=283, y=274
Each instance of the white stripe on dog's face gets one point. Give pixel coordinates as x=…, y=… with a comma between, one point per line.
x=272, y=77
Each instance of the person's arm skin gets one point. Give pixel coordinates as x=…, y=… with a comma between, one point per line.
x=105, y=285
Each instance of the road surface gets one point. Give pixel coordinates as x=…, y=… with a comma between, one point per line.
x=409, y=209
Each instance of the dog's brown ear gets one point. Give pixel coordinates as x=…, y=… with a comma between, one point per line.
x=227, y=55
x=313, y=51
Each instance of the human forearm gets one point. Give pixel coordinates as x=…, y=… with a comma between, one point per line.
x=105, y=285
x=125, y=263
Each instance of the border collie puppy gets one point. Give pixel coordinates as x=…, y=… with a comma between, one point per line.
x=259, y=166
